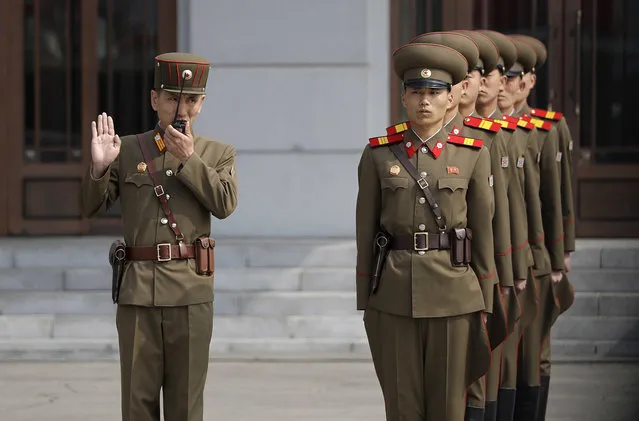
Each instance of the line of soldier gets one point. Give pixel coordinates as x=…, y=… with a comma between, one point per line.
x=464, y=227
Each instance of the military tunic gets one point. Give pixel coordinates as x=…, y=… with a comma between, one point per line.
x=430, y=307
x=165, y=309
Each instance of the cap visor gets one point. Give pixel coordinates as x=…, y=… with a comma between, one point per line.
x=426, y=83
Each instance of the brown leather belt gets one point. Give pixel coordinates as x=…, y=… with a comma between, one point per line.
x=161, y=252
x=421, y=241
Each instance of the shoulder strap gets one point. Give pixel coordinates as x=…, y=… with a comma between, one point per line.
x=398, y=151
x=159, y=189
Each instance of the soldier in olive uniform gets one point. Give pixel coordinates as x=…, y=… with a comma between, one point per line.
x=525, y=164
x=429, y=194
x=165, y=306
x=506, y=202
x=562, y=290
x=548, y=252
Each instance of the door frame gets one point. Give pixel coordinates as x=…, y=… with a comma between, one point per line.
x=13, y=168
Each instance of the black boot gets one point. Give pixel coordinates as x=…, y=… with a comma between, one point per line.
x=543, y=398
x=474, y=414
x=526, y=403
x=506, y=404
x=490, y=412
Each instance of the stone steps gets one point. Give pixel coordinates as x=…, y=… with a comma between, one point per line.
x=276, y=296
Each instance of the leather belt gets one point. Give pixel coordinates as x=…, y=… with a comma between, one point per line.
x=421, y=241
x=161, y=252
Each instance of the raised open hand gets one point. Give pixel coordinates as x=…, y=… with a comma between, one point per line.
x=105, y=144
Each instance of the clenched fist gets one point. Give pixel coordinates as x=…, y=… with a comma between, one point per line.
x=105, y=145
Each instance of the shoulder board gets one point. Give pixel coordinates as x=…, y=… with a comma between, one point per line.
x=385, y=140
x=482, y=123
x=465, y=141
x=506, y=124
x=548, y=115
x=398, y=128
x=524, y=124
x=540, y=124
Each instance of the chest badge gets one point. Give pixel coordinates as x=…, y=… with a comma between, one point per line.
x=394, y=170
x=520, y=162
x=141, y=167
x=452, y=170
x=504, y=162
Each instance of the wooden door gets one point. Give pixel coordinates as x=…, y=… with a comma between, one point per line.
x=67, y=61
x=601, y=74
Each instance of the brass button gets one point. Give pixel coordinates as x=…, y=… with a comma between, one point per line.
x=422, y=200
x=173, y=225
x=424, y=149
x=421, y=252
x=164, y=221
x=423, y=174
x=169, y=173
x=422, y=227
x=168, y=197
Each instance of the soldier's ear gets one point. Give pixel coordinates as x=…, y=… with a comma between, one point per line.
x=533, y=80
x=155, y=98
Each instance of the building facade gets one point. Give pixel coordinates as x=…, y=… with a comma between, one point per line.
x=297, y=86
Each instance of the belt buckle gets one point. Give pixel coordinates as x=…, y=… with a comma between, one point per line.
x=159, y=190
x=425, y=234
x=159, y=247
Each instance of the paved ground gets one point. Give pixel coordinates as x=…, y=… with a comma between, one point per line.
x=288, y=390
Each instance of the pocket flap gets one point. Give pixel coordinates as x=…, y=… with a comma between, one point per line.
x=394, y=183
x=452, y=183
x=139, y=179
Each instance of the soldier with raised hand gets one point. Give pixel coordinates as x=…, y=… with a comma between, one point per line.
x=425, y=254
x=562, y=290
x=169, y=181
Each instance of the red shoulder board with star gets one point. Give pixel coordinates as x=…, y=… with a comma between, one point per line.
x=482, y=123
x=385, y=140
x=506, y=124
x=540, y=124
x=398, y=128
x=465, y=141
x=548, y=115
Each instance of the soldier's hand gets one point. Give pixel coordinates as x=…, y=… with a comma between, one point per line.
x=105, y=145
x=556, y=276
x=567, y=263
x=178, y=144
x=520, y=285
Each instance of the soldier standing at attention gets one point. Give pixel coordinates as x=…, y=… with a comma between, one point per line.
x=488, y=132
x=425, y=254
x=528, y=174
x=562, y=289
x=548, y=252
x=169, y=182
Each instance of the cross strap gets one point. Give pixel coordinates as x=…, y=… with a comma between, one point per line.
x=159, y=189
x=400, y=153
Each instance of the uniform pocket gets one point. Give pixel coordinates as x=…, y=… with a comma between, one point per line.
x=452, y=198
x=139, y=179
x=394, y=183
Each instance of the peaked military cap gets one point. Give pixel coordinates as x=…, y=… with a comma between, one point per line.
x=507, y=49
x=488, y=52
x=540, y=49
x=429, y=66
x=526, y=59
x=457, y=41
x=181, y=71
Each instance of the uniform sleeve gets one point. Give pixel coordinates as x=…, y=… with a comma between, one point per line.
x=479, y=202
x=567, y=206
x=213, y=183
x=98, y=195
x=536, y=234
x=518, y=221
x=550, y=193
x=367, y=214
x=500, y=167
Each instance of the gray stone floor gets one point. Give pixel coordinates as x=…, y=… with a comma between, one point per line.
x=289, y=390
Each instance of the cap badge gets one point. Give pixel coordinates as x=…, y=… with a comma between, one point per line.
x=426, y=73
x=394, y=170
x=141, y=167
x=187, y=74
